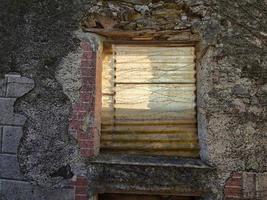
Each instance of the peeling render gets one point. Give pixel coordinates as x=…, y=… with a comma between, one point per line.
x=41, y=41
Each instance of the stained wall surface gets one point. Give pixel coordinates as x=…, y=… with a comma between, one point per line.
x=51, y=42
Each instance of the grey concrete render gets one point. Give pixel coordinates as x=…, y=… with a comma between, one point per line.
x=40, y=81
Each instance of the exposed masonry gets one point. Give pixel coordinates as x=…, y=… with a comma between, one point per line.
x=246, y=185
x=84, y=120
x=13, y=185
x=83, y=123
x=232, y=103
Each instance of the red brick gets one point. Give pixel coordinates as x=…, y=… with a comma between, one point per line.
x=87, y=72
x=78, y=197
x=88, y=81
x=81, y=190
x=87, y=55
x=83, y=107
x=75, y=124
x=236, y=175
x=81, y=116
x=232, y=191
x=234, y=182
x=88, y=64
x=74, y=116
x=86, y=97
x=85, y=144
x=85, y=46
x=88, y=88
x=75, y=107
x=82, y=135
x=87, y=152
x=81, y=181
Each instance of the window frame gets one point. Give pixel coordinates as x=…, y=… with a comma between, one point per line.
x=107, y=44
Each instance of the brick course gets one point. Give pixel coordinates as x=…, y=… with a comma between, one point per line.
x=84, y=120
x=246, y=185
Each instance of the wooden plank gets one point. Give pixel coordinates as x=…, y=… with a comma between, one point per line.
x=150, y=129
x=166, y=137
x=156, y=116
x=108, y=74
x=154, y=51
x=153, y=59
x=135, y=145
x=166, y=93
x=154, y=76
x=107, y=112
x=123, y=36
x=191, y=153
x=155, y=101
x=133, y=114
x=180, y=67
x=144, y=122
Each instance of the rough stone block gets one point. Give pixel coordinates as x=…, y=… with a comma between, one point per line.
x=7, y=116
x=18, y=86
x=1, y=128
x=2, y=87
x=11, y=137
x=261, y=185
x=14, y=78
x=19, y=190
x=15, y=190
x=9, y=168
x=249, y=190
x=61, y=194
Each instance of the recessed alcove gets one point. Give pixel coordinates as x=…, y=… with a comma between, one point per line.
x=113, y=174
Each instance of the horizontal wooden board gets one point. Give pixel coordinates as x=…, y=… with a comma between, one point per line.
x=155, y=66
x=130, y=114
x=154, y=51
x=149, y=137
x=157, y=76
x=148, y=101
x=107, y=112
x=135, y=145
x=154, y=101
x=150, y=128
x=190, y=153
x=144, y=122
x=153, y=59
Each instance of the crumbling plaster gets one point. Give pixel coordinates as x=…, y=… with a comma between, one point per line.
x=41, y=41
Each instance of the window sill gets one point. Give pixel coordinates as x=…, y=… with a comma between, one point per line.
x=110, y=173
x=154, y=161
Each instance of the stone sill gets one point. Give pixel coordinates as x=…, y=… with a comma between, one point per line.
x=110, y=173
x=154, y=161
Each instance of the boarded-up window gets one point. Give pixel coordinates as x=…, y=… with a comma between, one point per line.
x=148, y=101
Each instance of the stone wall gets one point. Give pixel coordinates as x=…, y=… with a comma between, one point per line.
x=13, y=185
x=44, y=41
x=246, y=185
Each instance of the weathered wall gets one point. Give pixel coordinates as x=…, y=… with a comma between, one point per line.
x=40, y=40
x=13, y=185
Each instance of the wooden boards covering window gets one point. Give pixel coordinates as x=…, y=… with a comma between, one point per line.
x=148, y=101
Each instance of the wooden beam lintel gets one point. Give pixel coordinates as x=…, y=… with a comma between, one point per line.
x=146, y=35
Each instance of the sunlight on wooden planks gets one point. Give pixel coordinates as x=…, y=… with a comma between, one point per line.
x=148, y=101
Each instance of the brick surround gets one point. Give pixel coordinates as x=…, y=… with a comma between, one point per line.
x=85, y=119
x=81, y=187
x=246, y=185
x=84, y=123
